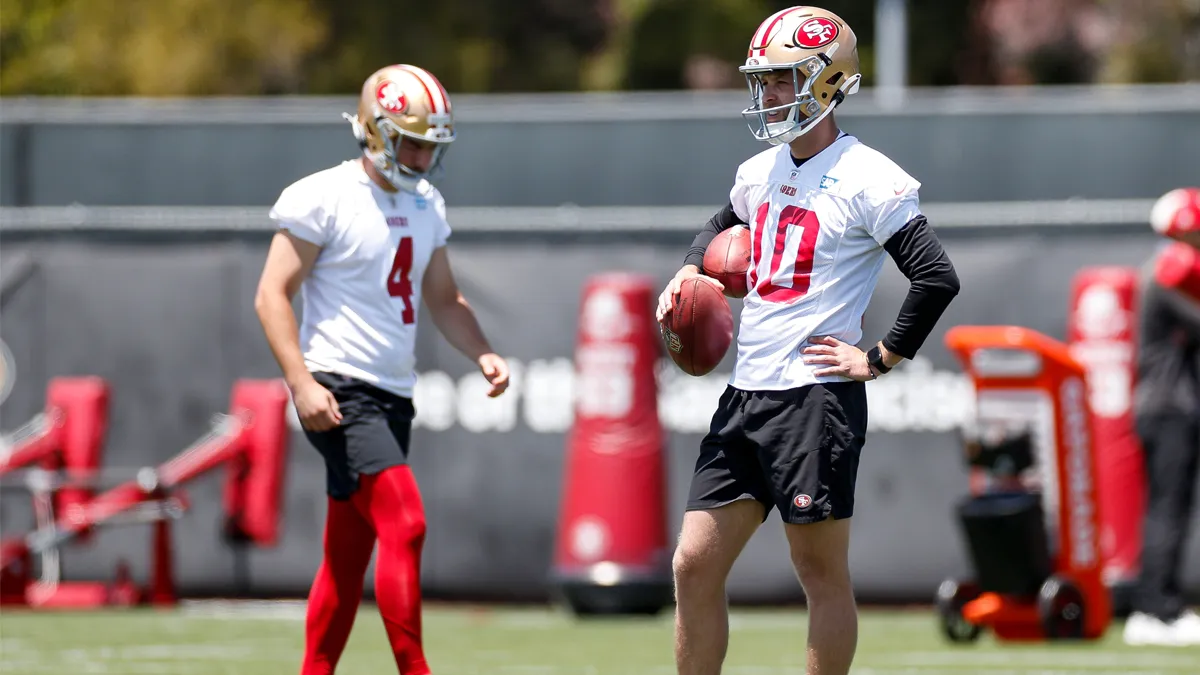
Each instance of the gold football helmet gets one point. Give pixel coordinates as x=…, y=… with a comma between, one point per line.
x=398, y=101
x=821, y=51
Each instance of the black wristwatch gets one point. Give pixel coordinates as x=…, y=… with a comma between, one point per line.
x=875, y=360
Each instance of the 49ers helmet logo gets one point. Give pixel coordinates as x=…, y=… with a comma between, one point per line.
x=816, y=32
x=391, y=97
x=802, y=501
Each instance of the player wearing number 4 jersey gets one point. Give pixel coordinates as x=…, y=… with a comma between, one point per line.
x=365, y=244
x=824, y=210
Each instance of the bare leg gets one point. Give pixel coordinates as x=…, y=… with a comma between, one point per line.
x=709, y=543
x=820, y=553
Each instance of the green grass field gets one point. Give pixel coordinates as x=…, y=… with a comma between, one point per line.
x=265, y=639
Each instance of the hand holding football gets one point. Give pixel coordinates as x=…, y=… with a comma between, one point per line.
x=699, y=329
x=727, y=259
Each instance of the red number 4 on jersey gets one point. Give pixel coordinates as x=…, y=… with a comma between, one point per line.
x=399, y=284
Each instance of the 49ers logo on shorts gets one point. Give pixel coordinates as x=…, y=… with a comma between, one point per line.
x=802, y=501
x=816, y=32
x=391, y=97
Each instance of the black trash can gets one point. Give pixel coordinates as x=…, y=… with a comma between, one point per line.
x=1006, y=537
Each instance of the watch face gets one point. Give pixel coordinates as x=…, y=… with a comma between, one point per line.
x=875, y=357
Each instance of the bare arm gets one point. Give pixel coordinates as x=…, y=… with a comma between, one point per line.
x=289, y=261
x=451, y=313
x=456, y=320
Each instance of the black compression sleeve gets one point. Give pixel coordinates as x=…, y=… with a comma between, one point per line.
x=722, y=220
x=1181, y=311
x=933, y=283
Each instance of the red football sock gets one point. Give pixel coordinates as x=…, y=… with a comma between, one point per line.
x=392, y=502
x=337, y=588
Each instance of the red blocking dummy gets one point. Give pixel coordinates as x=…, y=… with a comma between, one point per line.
x=611, y=554
x=1101, y=334
x=254, y=489
x=83, y=403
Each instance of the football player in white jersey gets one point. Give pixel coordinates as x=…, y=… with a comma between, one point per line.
x=823, y=210
x=364, y=242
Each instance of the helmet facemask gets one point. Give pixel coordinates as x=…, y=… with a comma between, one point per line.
x=802, y=114
x=386, y=159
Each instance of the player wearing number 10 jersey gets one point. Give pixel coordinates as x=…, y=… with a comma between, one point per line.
x=365, y=243
x=824, y=210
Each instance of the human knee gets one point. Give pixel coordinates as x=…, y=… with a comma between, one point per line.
x=696, y=565
x=821, y=575
x=687, y=562
x=405, y=530
x=416, y=530
x=412, y=531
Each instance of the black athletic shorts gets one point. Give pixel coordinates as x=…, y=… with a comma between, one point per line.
x=796, y=450
x=373, y=435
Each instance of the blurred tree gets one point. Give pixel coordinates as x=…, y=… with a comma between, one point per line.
x=1036, y=42
x=942, y=47
x=151, y=47
x=205, y=47
x=1073, y=41
x=471, y=45
x=250, y=47
x=1152, y=41
x=673, y=38
x=605, y=70
x=673, y=33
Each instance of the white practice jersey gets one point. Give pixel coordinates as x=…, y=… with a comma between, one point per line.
x=360, y=302
x=817, y=234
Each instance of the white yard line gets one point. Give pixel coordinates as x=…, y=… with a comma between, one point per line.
x=269, y=610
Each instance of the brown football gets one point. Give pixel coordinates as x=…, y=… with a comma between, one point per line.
x=699, y=329
x=727, y=259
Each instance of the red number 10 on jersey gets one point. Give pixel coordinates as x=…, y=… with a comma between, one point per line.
x=399, y=282
x=790, y=216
